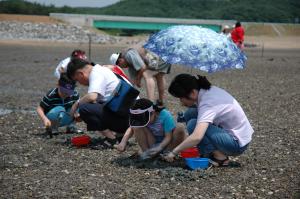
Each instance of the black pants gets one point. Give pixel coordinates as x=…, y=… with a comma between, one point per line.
x=99, y=118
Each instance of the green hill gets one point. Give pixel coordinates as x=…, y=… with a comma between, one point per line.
x=286, y=11
x=244, y=10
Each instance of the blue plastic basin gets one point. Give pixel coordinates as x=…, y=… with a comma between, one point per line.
x=197, y=163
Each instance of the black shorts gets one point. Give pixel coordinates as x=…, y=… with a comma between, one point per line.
x=99, y=118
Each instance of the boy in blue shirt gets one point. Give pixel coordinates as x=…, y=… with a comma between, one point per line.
x=154, y=129
x=55, y=105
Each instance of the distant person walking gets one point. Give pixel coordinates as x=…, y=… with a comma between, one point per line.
x=237, y=35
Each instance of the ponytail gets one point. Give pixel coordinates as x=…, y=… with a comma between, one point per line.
x=183, y=84
x=203, y=83
x=157, y=108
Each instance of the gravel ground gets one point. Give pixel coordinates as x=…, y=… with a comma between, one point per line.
x=35, y=167
x=10, y=30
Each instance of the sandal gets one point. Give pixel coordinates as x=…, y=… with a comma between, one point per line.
x=109, y=143
x=223, y=163
x=105, y=143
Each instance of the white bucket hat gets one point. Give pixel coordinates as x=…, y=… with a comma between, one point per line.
x=114, y=58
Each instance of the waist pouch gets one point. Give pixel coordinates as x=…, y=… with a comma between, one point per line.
x=122, y=98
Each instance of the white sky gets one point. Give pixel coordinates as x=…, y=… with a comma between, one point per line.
x=77, y=3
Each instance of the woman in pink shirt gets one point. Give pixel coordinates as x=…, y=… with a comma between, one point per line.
x=217, y=124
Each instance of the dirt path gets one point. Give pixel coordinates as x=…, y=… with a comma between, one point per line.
x=29, y=18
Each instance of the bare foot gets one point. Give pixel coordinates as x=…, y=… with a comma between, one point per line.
x=120, y=147
x=109, y=134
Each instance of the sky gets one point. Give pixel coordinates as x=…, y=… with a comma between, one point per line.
x=77, y=3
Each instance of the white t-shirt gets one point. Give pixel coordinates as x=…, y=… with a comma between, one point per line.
x=102, y=81
x=63, y=64
x=220, y=108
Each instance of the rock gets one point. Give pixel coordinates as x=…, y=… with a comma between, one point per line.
x=66, y=171
x=52, y=32
x=249, y=191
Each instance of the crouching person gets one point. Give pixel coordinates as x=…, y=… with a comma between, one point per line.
x=93, y=110
x=55, y=107
x=154, y=129
x=218, y=125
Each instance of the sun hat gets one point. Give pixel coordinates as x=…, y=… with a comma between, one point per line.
x=140, y=113
x=114, y=58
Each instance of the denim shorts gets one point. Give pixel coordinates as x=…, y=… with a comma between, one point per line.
x=60, y=114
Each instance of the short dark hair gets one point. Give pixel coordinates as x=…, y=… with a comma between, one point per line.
x=142, y=103
x=64, y=79
x=183, y=84
x=119, y=57
x=238, y=24
x=74, y=65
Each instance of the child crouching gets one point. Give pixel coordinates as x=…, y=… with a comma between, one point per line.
x=56, y=104
x=154, y=129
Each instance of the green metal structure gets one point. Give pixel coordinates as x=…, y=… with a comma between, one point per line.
x=145, y=25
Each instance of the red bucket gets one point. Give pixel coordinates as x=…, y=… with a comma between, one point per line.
x=80, y=141
x=190, y=153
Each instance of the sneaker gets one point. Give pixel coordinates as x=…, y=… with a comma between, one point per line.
x=73, y=130
x=51, y=131
x=105, y=143
x=159, y=104
x=55, y=131
x=180, y=117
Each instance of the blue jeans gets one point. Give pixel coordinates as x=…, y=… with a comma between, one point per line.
x=60, y=114
x=215, y=138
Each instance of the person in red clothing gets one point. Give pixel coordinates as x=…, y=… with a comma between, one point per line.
x=237, y=35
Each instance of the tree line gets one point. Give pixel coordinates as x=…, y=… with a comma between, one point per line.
x=285, y=11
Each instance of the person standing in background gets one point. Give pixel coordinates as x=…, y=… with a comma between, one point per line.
x=237, y=35
x=226, y=31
